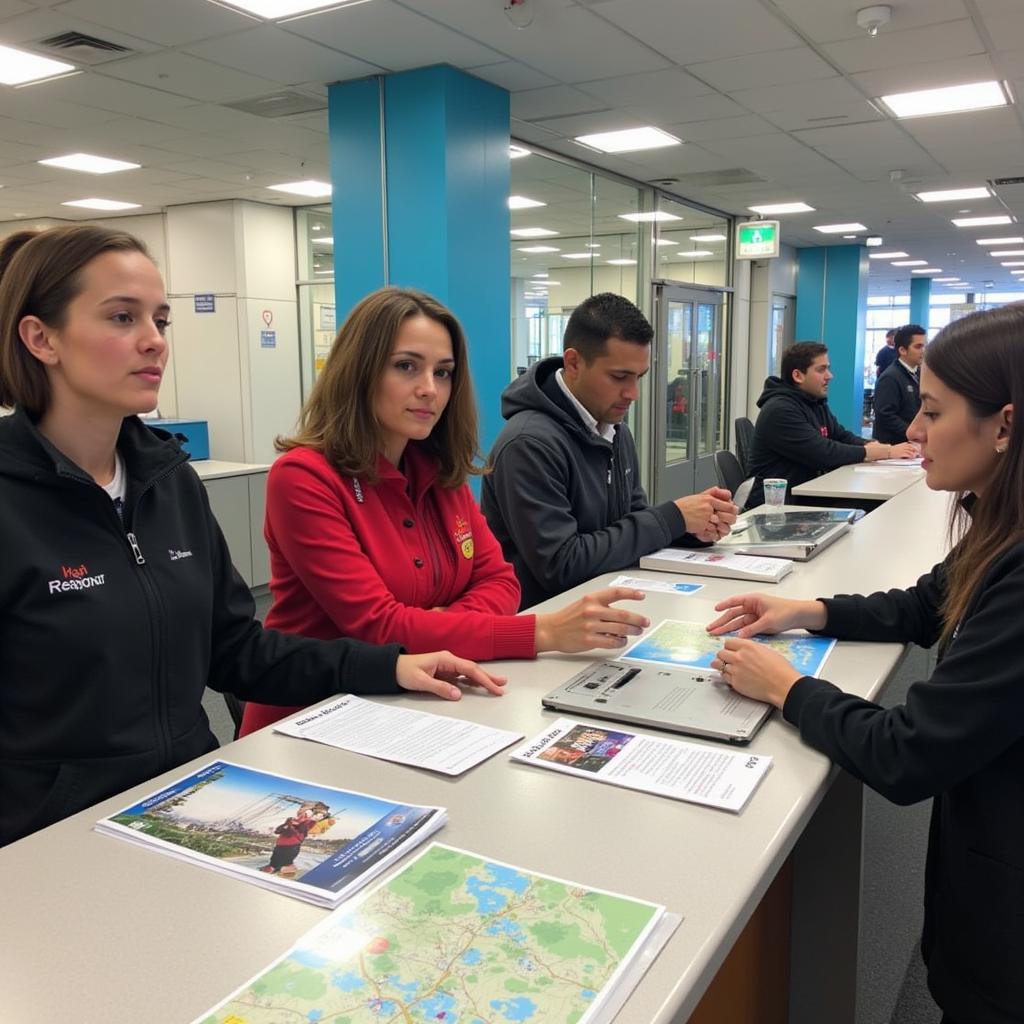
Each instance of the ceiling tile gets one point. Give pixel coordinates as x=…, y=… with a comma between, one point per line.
x=933, y=74
x=281, y=56
x=743, y=127
x=167, y=24
x=826, y=92
x=34, y=105
x=554, y=101
x=779, y=67
x=40, y=24
x=672, y=85
x=189, y=76
x=913, y=46
x=97, y=90
x=511, y=75
x=830, y=22
x=827, y=114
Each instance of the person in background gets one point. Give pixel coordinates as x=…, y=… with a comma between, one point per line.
x=796, y=436
x=959, y=738
x=373, y=531
x=118, y=601
x=897, y=391
x=564, y=496
x=886, y=355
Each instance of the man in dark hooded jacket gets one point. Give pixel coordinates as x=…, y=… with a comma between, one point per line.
x=796, y=436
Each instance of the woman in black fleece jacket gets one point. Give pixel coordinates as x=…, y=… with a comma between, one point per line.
x=959, y=738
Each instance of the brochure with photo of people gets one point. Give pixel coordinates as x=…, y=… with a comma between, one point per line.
x=311, y=841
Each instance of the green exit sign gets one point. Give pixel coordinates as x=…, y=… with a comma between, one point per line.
x=757, y=240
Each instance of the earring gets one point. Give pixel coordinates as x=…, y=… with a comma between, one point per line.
x=1000, y=451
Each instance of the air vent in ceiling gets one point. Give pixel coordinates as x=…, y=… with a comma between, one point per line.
x=82, y=48
x=728, y=176
x=279, y=104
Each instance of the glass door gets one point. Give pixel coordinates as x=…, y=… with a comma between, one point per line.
x=687, y=382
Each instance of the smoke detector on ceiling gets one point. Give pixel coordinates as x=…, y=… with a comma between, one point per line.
x=519, y=12
x=871, y=19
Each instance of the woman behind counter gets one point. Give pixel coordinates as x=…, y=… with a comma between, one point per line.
x=960, y=736
x=373, y=531
x=108, y=634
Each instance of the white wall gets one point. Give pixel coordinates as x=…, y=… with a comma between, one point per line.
x=768, y=278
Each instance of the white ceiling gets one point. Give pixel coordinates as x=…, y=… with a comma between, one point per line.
x=780, y=88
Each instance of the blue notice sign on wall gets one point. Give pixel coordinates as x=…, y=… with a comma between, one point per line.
x=206, y=304
x=268, y=339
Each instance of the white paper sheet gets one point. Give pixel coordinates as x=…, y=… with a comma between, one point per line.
x=660, y=586
x=440, y=744
x=709, y=775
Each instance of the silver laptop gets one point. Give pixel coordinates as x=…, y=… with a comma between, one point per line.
x=796, y=535
x=678, y=700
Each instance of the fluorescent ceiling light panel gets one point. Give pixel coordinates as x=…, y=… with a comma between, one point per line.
x=951, y=99
x=1017, y=271
x=517, y=152
x=928, y=270
x=886, y=255
x=665, y=241
x=273, y=9
x=523, y=203
x=622, y=263
x=102, y=204
x=839, y=229
x=694, y=253
x=648, y=218
x=541, y=275
x=89, y=164
x=950, y=194
x=1013, y=240
x=775, y=208
x=537, y=248
x=324, y=240
x=532, y=233
x=707, y=238
x=1012, y=263
x=17, y=67
x=630, y=140
x=315, y=189
x=579, y=255
x=910, y=263
x=593, y=245
x=981, y=222
x=1007, y=252
x=873, y=240
x=947, y=280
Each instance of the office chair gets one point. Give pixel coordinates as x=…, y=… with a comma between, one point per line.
x=744, y=441
x=731, y=476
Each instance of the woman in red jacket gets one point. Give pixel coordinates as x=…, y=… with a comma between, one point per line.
x=373, y=532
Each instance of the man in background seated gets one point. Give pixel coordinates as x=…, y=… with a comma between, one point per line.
x=563, y=496
x=897, y=391
x=886, y=355
x=796, y=436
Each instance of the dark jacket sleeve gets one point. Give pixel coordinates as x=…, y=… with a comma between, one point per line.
x=793, y=437
x=888, y=422
x=276, y=668
x=544, y=529
x=952, y=725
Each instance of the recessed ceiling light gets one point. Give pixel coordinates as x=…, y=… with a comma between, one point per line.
x=910, y=263
x=665, y=241
x=839, y=229
x=694, y=253
x=537, y=248
x=707, y=238
x=273, y=9
x=947, y=280
x=579, y=255
x=102, y=204
x=1007, y=252
x=873, y=240
x=622, y=263
x=927, y=270
x=885, y=255
x=773, y=208
x=517, y=152
x=1017, y=271
x=981, y=222
x=523, y=203
x=316, y=189
x=950, y=99
x=322, y=273
x=17, y=67
x=647, y=218
x=548, y=282
x=593, y=245
x=323, y=240
x=849, y=236
x=945, y=195
x=1012, y=263
x=532, y=233
x=629, y=140
x=540, y=275
x=89, y=164
x=1012, y=240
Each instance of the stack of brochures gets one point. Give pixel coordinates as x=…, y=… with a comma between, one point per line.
x=454, y=936
x=709, y=562
x=311, y=841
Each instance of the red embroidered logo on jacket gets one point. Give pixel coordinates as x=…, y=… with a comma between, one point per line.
x=463, y=537
x=824, y=430
x=75, y=577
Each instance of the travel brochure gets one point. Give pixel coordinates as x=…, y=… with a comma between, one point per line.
x=709, y=562
x=454, y=936
x=307, y=840
x=692, y=772
x=656, y=586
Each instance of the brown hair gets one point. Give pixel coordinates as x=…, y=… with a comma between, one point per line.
x=40, y=275
x=981, y=357
x=338, y=418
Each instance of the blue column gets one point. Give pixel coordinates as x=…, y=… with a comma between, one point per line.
x=831, y=301
x=920, y=300
x=420, y=169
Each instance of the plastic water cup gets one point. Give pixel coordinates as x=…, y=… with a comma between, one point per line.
x=774, y=492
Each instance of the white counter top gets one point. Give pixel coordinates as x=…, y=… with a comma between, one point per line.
x=863, y=481
x=213, y=469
